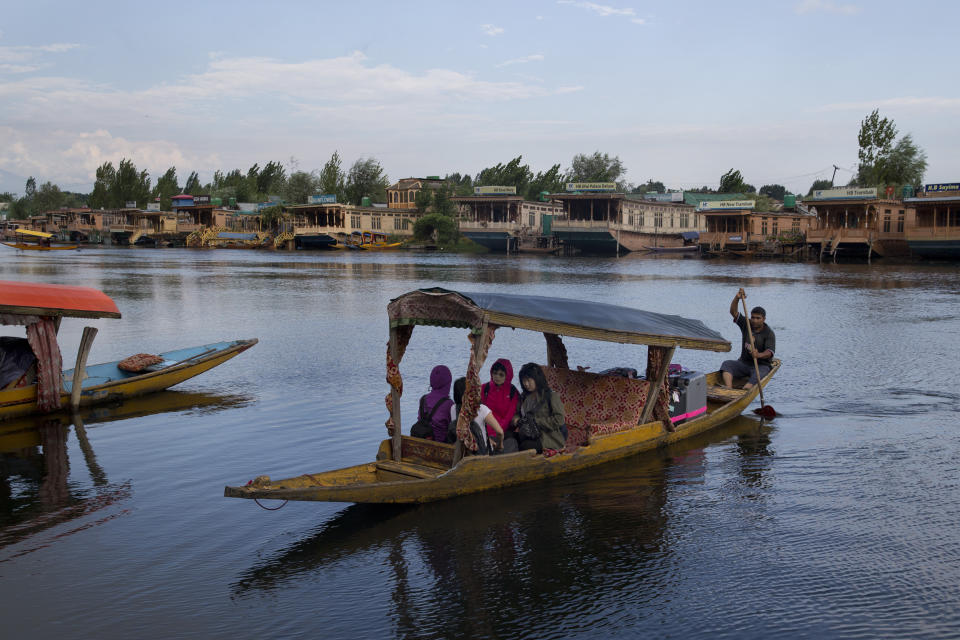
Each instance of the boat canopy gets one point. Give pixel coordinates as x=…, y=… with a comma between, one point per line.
x=560, y=316
x=35, y=234
x=30, y=298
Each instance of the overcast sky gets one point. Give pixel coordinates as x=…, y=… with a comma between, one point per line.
x=680, y=91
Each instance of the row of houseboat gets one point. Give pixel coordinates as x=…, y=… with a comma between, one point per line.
x=585, y=218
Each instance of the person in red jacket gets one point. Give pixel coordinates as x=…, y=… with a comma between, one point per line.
x=502, y=398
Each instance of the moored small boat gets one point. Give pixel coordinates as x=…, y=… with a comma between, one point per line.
x=608, y=416
x=32, y=378
x=27, y=240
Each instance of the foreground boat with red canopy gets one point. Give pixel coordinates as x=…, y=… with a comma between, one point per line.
x=32, y=379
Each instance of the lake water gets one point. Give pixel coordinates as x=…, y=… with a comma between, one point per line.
x=838, y=519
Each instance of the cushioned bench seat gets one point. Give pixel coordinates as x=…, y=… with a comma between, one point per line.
x=595, y=404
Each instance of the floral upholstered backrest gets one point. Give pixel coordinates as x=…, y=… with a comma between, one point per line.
x=595, y=403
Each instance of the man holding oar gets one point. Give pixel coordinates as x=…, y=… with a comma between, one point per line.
x=764, y=344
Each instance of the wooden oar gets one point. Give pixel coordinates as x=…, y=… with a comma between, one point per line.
x=765, y=410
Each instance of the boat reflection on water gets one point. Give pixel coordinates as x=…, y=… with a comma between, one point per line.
x=35, y=492
x=496, y=556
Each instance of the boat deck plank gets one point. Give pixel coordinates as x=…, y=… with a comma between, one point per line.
x=724, y=394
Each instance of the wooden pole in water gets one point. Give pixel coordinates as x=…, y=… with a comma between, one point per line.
x=79, y=371
x=395, y=398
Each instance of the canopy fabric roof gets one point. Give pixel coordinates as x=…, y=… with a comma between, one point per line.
x=30, y=298
x=561, y=316
x=36, y=234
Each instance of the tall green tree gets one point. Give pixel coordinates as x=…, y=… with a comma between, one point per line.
x=6, y=196
x=876, y=142
x=366, y=178
x=105, y=177
x=462, y=183
x=192, y=185
x=423, y=200
x=905, y=164
x=332, y=178
x=732, y=182
x=166, y=188
x=49, y=197
x=650, y=186
x=30, y=189
x=129, y=185
x=550, y=180
x=818, y=185
x=512, y=174
x=300, y=186
x=271, y=179
x=595, y=167
x=775, y=191
x=442, y=202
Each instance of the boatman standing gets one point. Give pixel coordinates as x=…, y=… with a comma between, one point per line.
x=764, y=341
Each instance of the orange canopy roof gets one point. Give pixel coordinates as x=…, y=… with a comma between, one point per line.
x=30, y=298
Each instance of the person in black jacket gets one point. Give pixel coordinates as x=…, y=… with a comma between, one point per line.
x=764, y=345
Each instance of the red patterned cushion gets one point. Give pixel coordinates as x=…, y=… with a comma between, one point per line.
x=139, y=362
x=597, y=404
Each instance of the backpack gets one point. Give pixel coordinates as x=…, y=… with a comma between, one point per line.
x=423, y=428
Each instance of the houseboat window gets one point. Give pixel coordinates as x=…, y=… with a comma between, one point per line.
x=672, y=220
x=900, y=223
x=773, y=229
x=886, y=222
x=684, y=220
x=375, y=222
x=763, y=226
x=533, y=220
x=796, y=224
x=640, y=221
x=658, y=219
x=354, y=222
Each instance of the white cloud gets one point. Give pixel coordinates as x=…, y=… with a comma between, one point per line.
x=27, y=59
x=604, y=10
x=62, y=128
x=905, y=102
x=536, y=57
x=491, y=30
x=826, y=6
x=71, y=158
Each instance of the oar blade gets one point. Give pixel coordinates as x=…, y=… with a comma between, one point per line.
x=766, y=411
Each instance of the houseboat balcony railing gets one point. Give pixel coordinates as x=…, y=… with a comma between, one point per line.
x=723, y=237
x=583, y=224
x=480, y=225
x=933, y=233
x=303, y=230
x=841, y=234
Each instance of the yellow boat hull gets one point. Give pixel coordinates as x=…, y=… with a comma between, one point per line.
x=23, y=246
x=421, y=477
x=23, y=401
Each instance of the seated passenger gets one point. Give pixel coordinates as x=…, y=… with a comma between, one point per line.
x=16, y=357
x=436, y=408
x=502, y=398
x=484, y=426
x=541, y=423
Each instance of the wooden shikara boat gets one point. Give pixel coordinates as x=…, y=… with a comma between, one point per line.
x=41, y=307
x=608, y=417
x=27, y=240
